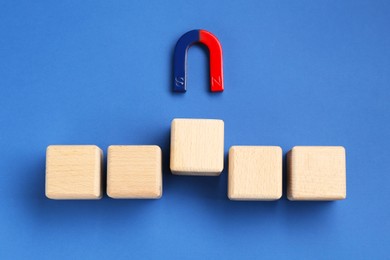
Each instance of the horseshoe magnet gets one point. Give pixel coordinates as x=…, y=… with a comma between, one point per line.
x=180, y=59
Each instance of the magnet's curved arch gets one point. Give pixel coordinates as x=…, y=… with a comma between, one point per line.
x=180, y=59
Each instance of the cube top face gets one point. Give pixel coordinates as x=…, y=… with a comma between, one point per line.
x=197, y=147
x=134, y=172
x=255, y=173
x=73, y=172
x=317, y=173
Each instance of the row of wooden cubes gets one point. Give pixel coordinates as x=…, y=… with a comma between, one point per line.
x=197, y=148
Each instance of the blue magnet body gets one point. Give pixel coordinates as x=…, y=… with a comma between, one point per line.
x=180, y=59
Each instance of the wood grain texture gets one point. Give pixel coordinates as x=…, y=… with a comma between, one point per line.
x=255, y=173
x=197, y=147
x=134, y=172
x=73, y=172
x=316, y=173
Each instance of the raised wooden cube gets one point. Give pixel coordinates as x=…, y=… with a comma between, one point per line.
x=255, y=173
x=134, y=172
x=73, y=172
x=316, y=173
x=197, y=147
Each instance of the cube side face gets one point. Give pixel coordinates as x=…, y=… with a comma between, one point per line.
x=134, y=172
x=317, y=173
x=73, y=172
x=197, y=147
x=255, y=173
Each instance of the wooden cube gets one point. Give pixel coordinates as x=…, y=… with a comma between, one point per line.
x=255, y=173
x=73, y=172
x=134, y=172
x=197, y=147
x=316, y=173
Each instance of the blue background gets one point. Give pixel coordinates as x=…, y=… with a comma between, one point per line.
x=100, y=72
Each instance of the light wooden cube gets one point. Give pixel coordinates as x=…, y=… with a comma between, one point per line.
x=255, y=173
x=316, y=173
x=134, y=172
x=73, y=172
x=197, y=147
